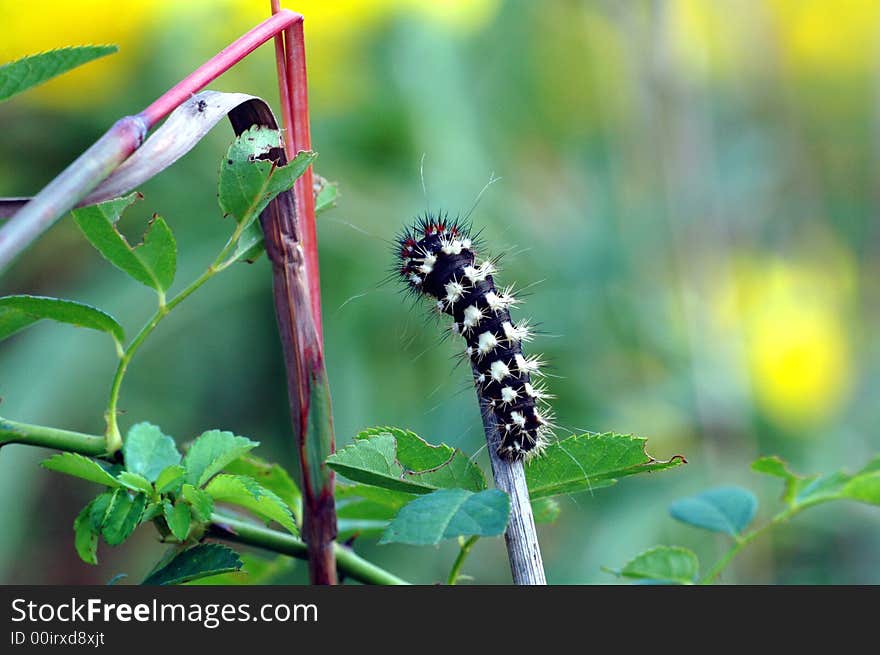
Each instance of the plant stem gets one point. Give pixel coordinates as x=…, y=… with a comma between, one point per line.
x=347, y=560
x=744, y=541
x=39, y=435
x=89, y=169
x=463, y=552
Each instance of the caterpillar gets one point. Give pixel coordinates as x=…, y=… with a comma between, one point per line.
x=438, y=260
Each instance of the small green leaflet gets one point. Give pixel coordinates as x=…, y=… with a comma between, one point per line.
x=135, y=482
x=148, y=452
x=587, y=462
x=27, y=72
x=194, y=563
x=247, y=492
x=271, y=476
x=247, y=182
x=19, y=312
x=201, y=502
x=85, y=535
x=153, y=263
x=178, y=518
x=663, y=564
x=255, y=571
x=81, y=467
x=399, y=460
x=122, y=516
x=211, y=452
x=449, y=513
x=728, y=510
x=170, y=479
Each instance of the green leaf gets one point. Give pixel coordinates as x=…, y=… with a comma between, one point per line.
x=449, y=513
x=255, y=571
x=200, y=500
x=247, y=184
x=211, y=452
x=148, y=452
x=327, y=195
x=196, y=562
x=271, y=476
x=724, y=509
x=399, y=460
x=801, y=492
x=135, y=482
x=248, y=493
x=663, y=564
x=86, y=536
x=123, y=516
x=366, y=510
x=19, y=312
x=587, y=462
x=546, y=510
x=152, y=263
x=170, y=479
x=81, y=467
x=24, y=73
x=178, y=518
x=152, y=511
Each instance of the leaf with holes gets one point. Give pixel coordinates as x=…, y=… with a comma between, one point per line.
x=152, y=263
x=587, y=462
x=449, y=513
x=19, y=312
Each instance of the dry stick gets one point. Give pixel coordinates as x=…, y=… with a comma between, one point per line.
x=523, y=549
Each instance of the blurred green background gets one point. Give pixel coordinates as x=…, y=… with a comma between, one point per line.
x=689, y=186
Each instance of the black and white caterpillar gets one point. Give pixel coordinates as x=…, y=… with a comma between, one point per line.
x=439, y=260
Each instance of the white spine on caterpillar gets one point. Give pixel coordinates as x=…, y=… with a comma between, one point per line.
x=438, y=259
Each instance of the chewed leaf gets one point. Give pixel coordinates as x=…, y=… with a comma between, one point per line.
x=449, y=513
x=726, y=509
x=153, y=263
x=24, y=73
x=248, y=182
x=587, y=462
x=19, y=312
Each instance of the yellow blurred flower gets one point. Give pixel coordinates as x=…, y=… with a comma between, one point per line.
x=792, y=316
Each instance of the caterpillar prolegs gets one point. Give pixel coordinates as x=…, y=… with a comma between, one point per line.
x=439, y=260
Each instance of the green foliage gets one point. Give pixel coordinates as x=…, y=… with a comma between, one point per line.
x=587, y=462
x=148, y=452
x=152, y=263
x=211, y=452
x=662, y=564
x=135, y=482
x=801, y=492
x=449, y=513
x=27, y=72
x=170, y=479
x=255, y=570
x=193, y=563
x=80, y=467
x=19, y=312
x=247, y=183
x=271, y=476
x=200, y=500
x=248, y=493
x=178, y=518
x=725, y=509
x=122, y=517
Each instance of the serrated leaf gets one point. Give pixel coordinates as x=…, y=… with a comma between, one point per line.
x=546, y=510
x=178, y=518
x=27, y=72
x=449, y=513
x=170, y=479
x=663, y=564
x=365, y=510
x=728, y=510
x=255, y=571
x=194, y=563
x=248, y=493
x=247, y=183
x=271, y=476
x=135, y=482
x=85, y=535
x=200, y=500
x=399, y=460
x=81, y=467
x=211, y=452
x=153, y=263
x=123, y=516
x=588, y=462
x=148, y=452
x=19, y=312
